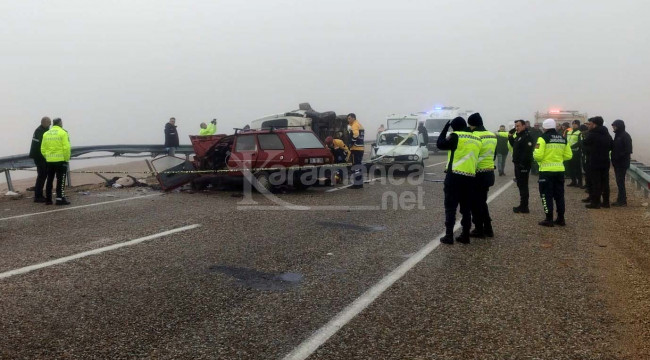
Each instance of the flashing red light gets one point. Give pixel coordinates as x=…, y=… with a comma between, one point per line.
x=554, y=111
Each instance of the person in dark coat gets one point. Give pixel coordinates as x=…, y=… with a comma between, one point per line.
x=522, y=158
x=425, y=134
x=502, y=149
x=171, y=137
x=39, y=159
x=599, y=143
x=584, y=130
x=621, y=152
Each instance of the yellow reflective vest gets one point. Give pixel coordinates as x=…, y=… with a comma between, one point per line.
x=573, y=136
x=211, y=129
x=357, y=132
x=466, y=154
x=551, y=151
x=486, y=154
x=55, y=145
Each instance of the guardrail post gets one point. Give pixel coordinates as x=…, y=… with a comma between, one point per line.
x=8, y=176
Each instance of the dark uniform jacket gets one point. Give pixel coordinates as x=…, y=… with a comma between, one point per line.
x=37, y=139
x=622, y=148
x=171, y=135
x=522, y=149
x=598, y=144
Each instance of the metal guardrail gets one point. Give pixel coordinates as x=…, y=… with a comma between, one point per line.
x=23, y=161
x=640, y=174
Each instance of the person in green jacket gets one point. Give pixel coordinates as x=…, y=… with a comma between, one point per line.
x=55, y=147
x=551, y=151
x=208, y=129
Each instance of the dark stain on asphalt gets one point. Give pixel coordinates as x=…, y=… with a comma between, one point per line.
x=259, y=280
x=341, y=225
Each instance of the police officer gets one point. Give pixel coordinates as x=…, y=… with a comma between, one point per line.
x=502, y=149
x=550, y=153
x=39, y=159
x=356, y=148
x=208, y=129
x=484, y=178
x=55, y=147
x=575, y=164
x=522, y=157
x=462, y=158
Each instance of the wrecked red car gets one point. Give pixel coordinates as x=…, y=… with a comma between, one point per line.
x=274, y=157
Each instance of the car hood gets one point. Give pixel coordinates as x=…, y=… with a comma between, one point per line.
x=392, y=150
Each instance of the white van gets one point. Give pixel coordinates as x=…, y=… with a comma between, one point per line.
x=401, y=144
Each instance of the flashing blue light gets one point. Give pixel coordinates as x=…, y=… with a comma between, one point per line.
x=437, y=108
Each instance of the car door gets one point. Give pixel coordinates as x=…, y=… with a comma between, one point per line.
x=244, y=153
x=272, y=152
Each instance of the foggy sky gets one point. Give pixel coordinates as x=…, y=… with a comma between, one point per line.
x=115, y=71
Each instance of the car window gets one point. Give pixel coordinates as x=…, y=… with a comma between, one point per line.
x=246, y=143
x=305, y=140
x=270, y=142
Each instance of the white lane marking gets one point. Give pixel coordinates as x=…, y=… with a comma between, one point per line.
x=440, y=163
x=320, y=336
x=347, y=186
x=62, y=260
x=77, y=207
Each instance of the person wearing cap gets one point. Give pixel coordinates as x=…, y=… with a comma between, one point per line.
x=462, y=158
x=599, y=143
x=484, y=177
x=621, y=154
x=208, y=129
x=575, y=164
x=522, y=158
x=551, y=151
x=356, y=147
x=56, y=149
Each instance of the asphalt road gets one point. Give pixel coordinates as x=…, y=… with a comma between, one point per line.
x=263, y=279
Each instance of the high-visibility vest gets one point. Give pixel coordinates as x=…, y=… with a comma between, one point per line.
x=465, y=155
x=358, y=134
x=211, y=129
x=551, y=151
x=573, y=136
x=55, y=145
x=486, y=155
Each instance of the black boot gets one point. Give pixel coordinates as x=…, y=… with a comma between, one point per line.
x=521, y=210
x=560, y=222
x=464, y=237
x=593, y=205
x=62, y=201
x=447, y=239
x=477, y=233
x=487, y=230
x=547, y=222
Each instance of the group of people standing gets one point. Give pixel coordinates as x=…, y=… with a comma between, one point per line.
x=50, y=150
x=557, y=152
x=171, y=134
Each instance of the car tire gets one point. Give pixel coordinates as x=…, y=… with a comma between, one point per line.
x=263, y=181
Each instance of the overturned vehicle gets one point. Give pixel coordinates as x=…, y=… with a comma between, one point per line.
x=267, y=158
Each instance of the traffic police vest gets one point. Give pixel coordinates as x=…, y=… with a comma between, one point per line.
x=573, y=136
x=357, y=133
x=551, y=151
x=55, y=145
x=486, y=155
x=465, y=155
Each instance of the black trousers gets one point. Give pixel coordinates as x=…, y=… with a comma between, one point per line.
x=357, y=167
x=551, y=187
x=41, y=176
x=457, y=192
x=521, y=175
x=58, y=170
x=599, y=186
x=480, y=211
x=575, y=164
x=620, y=172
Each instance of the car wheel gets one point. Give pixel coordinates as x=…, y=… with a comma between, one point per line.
x=263, y=182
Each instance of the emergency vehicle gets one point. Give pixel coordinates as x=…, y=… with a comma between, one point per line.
x=400, y=144
x=560, y=116
x=435, y=120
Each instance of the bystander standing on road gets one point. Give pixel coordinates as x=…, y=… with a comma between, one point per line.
x=551, y=151
x=171, y=137
x=522, y=158
x=584, y=131
x=39, y=159
x=462, y=158
x=599, y=143
x=621, y=155
x=356, y=147
x=535, y=133
x=502, y=150
x=55, y=147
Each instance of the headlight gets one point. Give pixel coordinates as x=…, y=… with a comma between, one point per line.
x=410, y=157
x=415, y=157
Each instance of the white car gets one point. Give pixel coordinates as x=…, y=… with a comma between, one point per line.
x=402, y=148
